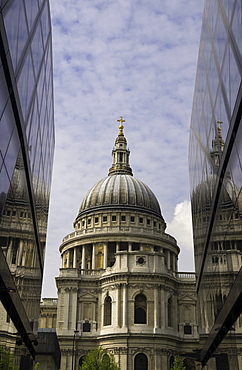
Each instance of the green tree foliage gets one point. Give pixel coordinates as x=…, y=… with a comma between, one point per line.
x=178, y=364
x=7, y=360
x=99, y=359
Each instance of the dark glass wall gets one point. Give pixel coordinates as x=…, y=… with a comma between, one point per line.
x=26, y=152
x=216, y=171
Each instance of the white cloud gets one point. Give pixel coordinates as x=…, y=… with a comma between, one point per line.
x=181, y=228
x=131, y=58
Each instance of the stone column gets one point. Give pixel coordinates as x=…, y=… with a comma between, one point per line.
x=9, y=251
x=68, y=259
x=157, y=359
x=162, y=308
x=240, y=361
x=125, y=305
x=66, y=311
x=74, y=258
x=93, y=256
x=168, y=260
x=105, y=264
x=83, y=257
x=175, y=262
x=156, y=307
x=129, y=246
x=35, y=258
x=175, y=315
x=117, y=246
x=20, y=253
x=48, y=321
x=164, y=359
x=25, y=247
x=102, y=312
x=117, y=303
x=74, y=308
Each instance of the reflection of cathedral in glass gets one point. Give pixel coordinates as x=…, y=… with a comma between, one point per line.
x=26, y=158
x=19, y=244
x=224, y=254
x=216, y=178
x=118, y=285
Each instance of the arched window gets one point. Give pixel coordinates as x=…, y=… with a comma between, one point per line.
x=107, y=311
x=106, y=361
x=169, y=311
x=141, y=362
x=81, y=360
x=140, y=308
x=99, y=260
x=171, y=361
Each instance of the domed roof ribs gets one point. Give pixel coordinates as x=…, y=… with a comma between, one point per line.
x=120, y=153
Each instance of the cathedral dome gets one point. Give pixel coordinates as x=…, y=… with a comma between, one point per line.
x=120, y=191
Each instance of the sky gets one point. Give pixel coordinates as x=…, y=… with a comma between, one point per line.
x=130, y=58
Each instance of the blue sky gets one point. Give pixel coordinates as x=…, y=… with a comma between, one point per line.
x=135, y=59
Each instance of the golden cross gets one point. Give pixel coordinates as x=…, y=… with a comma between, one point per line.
x=121, y=120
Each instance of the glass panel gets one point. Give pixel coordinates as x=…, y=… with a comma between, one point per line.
x=235, y=79
x=213, y=79
x=37, y=49
x=225, y=77
x=37, y=157
x=6, y=128
x=31, y=11
x=16, y=29
x=207, y=108
x=26, y=84
x=228, y=8
x=237, y=25
x=12, y=152
x=212, y=15
x=220, y=38
x=221, y=114
x=235, y=166
x=4, y=186
x=3, y=92
x=45, y=21
x=34, y=122
x=205, y=43
x=11, y=16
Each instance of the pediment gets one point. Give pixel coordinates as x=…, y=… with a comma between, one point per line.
x=87, y=296
x=187, y=297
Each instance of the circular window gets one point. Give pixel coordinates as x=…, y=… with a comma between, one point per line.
x=141, y=261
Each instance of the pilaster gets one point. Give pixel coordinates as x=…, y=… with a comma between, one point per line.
x=74, y=308
x=125, y=306
x=66, y=311
x=74, y=257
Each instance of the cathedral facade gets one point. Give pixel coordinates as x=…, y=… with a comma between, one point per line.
x=119, y=286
